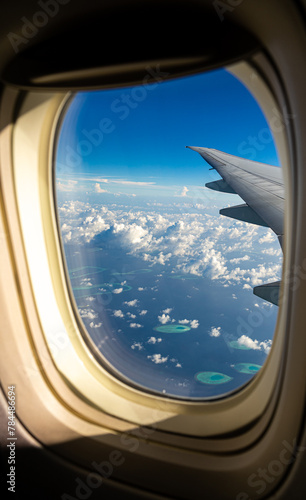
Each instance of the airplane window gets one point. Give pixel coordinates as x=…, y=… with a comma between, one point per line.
x=163, y=282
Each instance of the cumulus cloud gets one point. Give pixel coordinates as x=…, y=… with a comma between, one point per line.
x=98, y=188
x=132, y=303
x=94, y=325
x=154, y=340
x=194, y=323
x=255, y=344
x=136, y=325
x=143, y=312
x=248, y=342
x=184, y=191
x=88, y=313
x=272, y=251
x=239, y=259
x=118, y=313
x=168, y=310
x=66, y=186
x=190, y=242
x=164, y=318
x=268, y=238
x=137, y=345
x=118, y=290
x=158, y=358
x=266, y=346
x=215, y=331
x=85, y=282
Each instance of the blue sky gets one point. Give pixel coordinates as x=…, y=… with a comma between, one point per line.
x=139, y=134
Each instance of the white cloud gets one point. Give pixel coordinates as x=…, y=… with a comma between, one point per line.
x=118, y=290
x=272, y=251
x=88, y=313
x=248, y=342
x=137, y=345
x=94, y=325
x=143, y=312
x=118, y=313
x=153, y=340
x=164, y=318
x=268, y=238
x=158, y=359
x=266, y=346
x=85, y=282
x=168, y=310
x=186, y=242
x=98, y=188
x=194, y=323
x=136, y=325
x=133, y=183
x=130, y=315
x=215, y=331
x=239, y=259
x=67, y=186
x=131, y=303
x=184, y=191
x=255, y=344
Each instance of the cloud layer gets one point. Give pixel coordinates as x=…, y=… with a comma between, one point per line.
x=185, y=240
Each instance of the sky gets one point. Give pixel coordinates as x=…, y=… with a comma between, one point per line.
x=163, y=283
x=139, y=134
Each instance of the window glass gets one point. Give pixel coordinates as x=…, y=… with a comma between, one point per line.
x=164, y=283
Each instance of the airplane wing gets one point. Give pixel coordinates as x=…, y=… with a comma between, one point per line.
x=261, y=187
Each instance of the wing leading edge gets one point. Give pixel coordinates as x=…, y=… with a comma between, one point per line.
x=262, y=189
